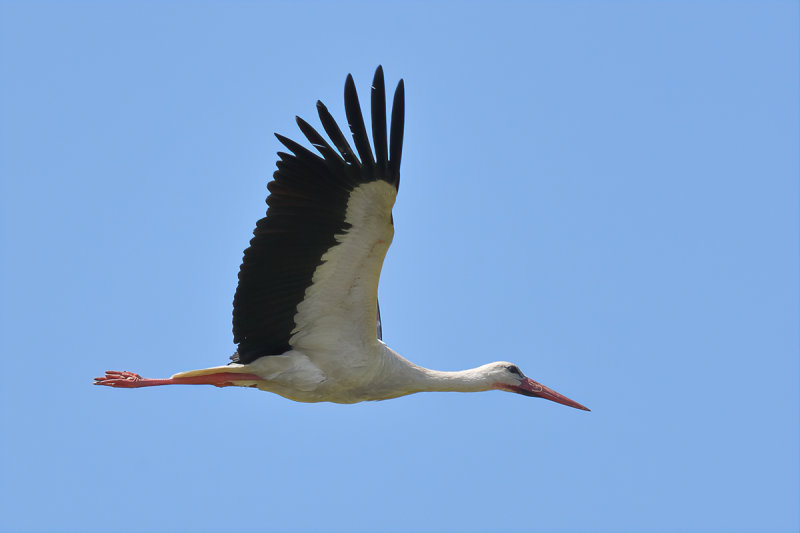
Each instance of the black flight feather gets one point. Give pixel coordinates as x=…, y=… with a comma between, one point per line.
x=396, y=136
x=378, y=98
x=336, y=135
x=356, y=122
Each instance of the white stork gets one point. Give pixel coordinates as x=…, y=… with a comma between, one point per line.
x=305, y=313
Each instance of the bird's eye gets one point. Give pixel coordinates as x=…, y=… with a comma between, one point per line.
x=514, y=370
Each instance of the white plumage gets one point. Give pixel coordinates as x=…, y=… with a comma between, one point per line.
x=306, y=309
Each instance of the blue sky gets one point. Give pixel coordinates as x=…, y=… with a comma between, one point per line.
x=604, y=193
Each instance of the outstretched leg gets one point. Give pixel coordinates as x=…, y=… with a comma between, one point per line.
x=129, y=380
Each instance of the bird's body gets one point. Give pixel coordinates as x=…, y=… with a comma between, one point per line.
x=306, y=310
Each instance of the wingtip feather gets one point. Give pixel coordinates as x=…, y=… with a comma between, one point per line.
x=379, y=134
x=355, y=119
x=396, y=133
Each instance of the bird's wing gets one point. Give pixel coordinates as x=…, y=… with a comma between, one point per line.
x=309, y=279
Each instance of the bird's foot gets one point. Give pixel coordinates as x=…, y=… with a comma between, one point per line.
x=125, y=380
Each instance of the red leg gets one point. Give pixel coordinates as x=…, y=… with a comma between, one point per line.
x=129, y=380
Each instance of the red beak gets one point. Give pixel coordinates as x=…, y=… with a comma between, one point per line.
x=528, y=387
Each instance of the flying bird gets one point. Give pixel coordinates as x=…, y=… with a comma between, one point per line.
x=306, y=319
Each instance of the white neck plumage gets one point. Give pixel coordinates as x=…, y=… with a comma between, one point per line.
x=410, y=378
x=471, y=380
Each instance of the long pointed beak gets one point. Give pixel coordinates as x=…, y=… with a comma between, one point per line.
x=528, y=387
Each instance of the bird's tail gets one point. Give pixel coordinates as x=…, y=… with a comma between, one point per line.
x=232, y=367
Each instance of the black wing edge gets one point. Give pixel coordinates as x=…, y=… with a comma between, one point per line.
x=307, y=203
x=380, y=323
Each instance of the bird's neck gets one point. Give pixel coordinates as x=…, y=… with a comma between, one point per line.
x=415, y=378
x=470, y=380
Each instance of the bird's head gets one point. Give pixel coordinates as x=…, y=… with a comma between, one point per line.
x=508, y=377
